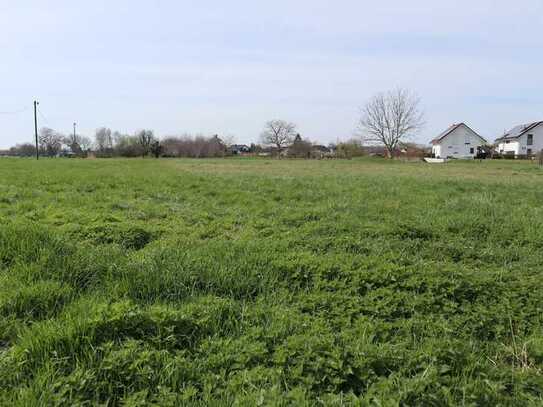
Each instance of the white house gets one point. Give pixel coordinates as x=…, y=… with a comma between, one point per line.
x=523, y=140
x=458, y=141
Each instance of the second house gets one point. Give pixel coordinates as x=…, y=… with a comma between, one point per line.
x=524, y=140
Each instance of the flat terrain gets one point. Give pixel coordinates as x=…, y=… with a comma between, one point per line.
x=262, y=282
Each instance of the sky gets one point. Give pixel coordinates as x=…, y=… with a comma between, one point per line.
x=227, y=67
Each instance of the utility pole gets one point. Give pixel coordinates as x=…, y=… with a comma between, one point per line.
x=74, y=132
x=36, y=103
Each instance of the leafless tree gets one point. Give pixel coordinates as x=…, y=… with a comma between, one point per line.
x=216, y=147
x=300, y=148
x=23, y=150
x=389, y=118
x=103, y=141
x=79, y=144
x=85, y=143
x=349, y=148
x=228, y=139
x=145, y=139
x=156, y=148
x=50, y=141
x=125, y=145
x=73, y=141
x=198, y=146
x=278, y=133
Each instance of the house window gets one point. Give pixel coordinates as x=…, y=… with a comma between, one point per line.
x=472, y=150
x=529, y=151
x=530, y=140
x=506, y=141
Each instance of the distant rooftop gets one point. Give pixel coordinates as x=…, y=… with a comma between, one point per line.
x=519, y=130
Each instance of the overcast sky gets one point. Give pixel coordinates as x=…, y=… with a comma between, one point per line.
x=228, y=66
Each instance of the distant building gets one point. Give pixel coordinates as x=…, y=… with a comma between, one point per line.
x=66, y=152
x=238, y=149
x=458, y=141
x=322, y=149
x=523, y=140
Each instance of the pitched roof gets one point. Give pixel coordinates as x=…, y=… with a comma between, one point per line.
x=518, y=131
x=451, y=129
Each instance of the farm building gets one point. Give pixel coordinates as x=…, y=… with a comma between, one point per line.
x=458, y=141
x=523, y=140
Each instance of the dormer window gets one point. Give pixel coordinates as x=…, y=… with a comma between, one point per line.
x=530, y=140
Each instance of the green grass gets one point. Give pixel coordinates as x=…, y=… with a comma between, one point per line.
x=262, y=282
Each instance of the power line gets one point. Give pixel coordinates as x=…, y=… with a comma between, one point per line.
x=43, y=116
x=45, y=119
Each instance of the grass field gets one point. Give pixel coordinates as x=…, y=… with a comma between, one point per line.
x=261, y=282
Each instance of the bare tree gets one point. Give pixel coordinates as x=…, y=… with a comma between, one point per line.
x=156, y=148
x=23, y=150
x=103, y=140
x=85, y=143
x=349, y=149
x=216, y=147
x=145, y=139
x=193, y=146
x=79, y=144
x=126, y=145
x=278, y=133
x=389, y=118
x=74, y=142
x=300, y=148
x=50, y=141
x=229, y=139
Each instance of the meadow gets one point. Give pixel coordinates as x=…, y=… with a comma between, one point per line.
x=270, y=282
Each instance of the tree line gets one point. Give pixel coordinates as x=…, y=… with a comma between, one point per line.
x=387, y=119
x=279, y=139
x=108, y=143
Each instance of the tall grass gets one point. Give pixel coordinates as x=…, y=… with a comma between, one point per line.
x=254, y=282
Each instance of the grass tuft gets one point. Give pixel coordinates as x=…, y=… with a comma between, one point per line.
x=270, y=282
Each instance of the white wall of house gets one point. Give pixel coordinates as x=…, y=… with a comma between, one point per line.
x=462, y=142
x=509, y=147
x=520, y=146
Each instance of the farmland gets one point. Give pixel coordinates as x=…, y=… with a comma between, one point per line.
x=282, y=282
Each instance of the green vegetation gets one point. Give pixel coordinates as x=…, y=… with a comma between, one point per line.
x=261, y=282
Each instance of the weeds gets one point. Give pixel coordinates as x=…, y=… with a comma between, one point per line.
x=254, y=282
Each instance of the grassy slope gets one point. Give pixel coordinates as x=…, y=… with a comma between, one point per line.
x=258, y=281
